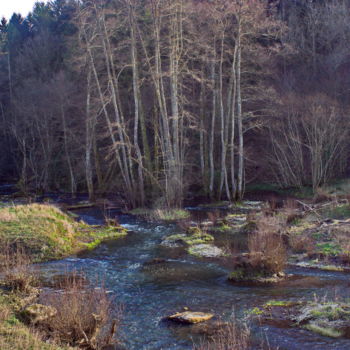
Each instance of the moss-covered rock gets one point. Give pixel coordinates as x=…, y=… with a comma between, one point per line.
x=246, y=271
x=187, y=240
x=190, y=317
x=206, y=251
x=37, y=313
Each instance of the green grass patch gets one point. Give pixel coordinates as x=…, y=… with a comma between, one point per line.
x=328, y=248
x=46, y=233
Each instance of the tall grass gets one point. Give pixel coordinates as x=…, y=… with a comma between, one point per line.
x=15, y=266
x=230, y=337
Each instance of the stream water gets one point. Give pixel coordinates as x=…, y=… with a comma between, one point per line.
x=149, y=294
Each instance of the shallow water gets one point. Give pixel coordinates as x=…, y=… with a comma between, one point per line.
x=150, y=293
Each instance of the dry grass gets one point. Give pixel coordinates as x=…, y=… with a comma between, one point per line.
x=5, y=312
x=6, y=215
x=214, y=216
x=302, y=243
x=290, y=211
x=15, y=266
x=18, y=337
x=83, y=315
x=230, y=337
x=266, y=246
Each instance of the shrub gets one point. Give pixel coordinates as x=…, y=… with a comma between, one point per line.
x=302, y=243
x=267, y=251
x=83, y=315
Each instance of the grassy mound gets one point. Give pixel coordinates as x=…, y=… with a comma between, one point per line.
x=45, y=232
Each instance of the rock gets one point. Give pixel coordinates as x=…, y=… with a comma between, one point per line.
x=190, y=317
x=174, y=240
x=194, y=230
x=206, y=224
x=187, y=240
x=206, y=250
x=36, y=313
x=248, y=274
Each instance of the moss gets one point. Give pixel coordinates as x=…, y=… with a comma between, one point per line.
x=194, y=230
x=279, y=303
x=46, y=233
x=252, y=275
x=325, y=331
x=328, y=248
x=224, y=228
x=332, y=268
x=256, y=311
x=237, y=275
x=161, y=214
x=190, y=240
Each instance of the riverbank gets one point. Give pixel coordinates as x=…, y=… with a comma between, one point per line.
x=33, y=233
x=45, y=232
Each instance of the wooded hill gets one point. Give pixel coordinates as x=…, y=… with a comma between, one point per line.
x=155, y=98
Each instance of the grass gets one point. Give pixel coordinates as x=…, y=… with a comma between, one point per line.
x=231, y=336
x=15, y=335
x=45, y=232
x=161, y=214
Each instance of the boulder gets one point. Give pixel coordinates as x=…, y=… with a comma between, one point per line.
x=37, y=313
x=186, y=239
x=206, y=251
x=190, y=317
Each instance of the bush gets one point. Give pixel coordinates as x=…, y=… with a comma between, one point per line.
x=267, y=251
x=83, y=315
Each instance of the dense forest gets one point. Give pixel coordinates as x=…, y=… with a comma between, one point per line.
x=160, y=98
